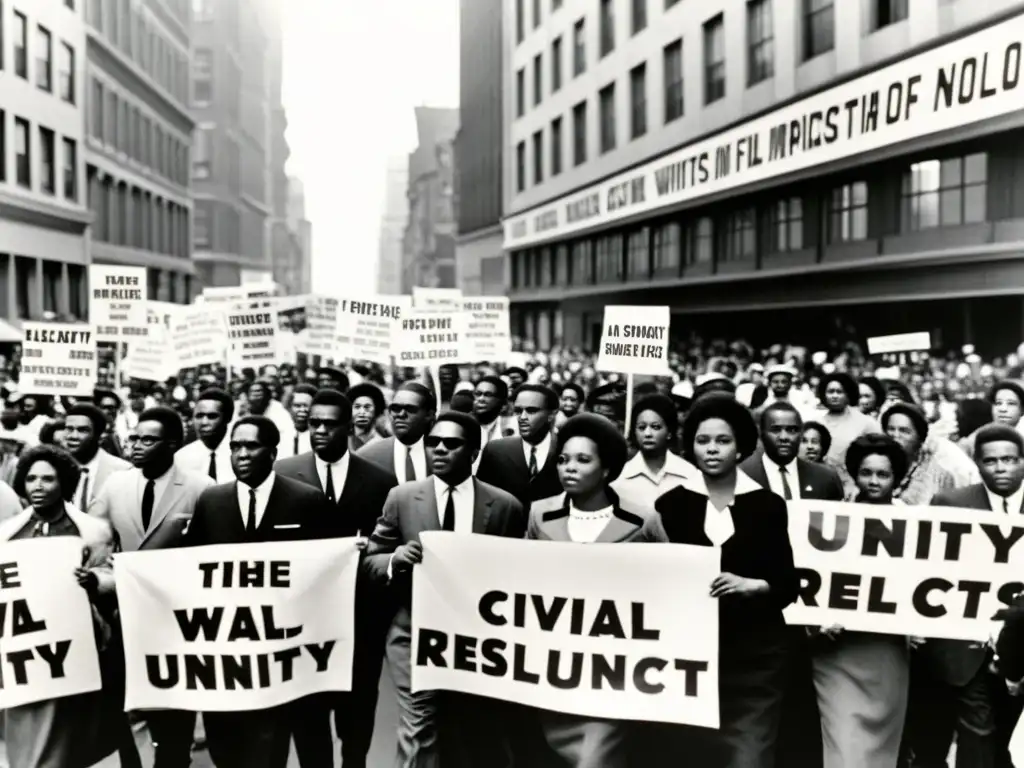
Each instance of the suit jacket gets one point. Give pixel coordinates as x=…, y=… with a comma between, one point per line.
x=957, y=661
x=360, y=502
x=382, y=453
x=549, y=519
x=503, y=465
x=411, y=508
x=817, y=481
x=118, y=504
x=106, y=466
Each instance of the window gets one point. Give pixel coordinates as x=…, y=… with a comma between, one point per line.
x=638, y=100
x=738, y=239
x=945, y=193
x=609, y=259
x=202, y=72
x=536, y=13
x=44, y=64
x=700, y=241
x=538, y=75
x=819, y=27
x=70, y=169
x=582, y=262
x=201, y=154
x=607, y=28
x=890, y=12
x=201, y=225
x=673, y=65
x=538, y=157
x=96, y=106
x=848, y=213
x=638, y=254
x=20, y=45
x=556, y=64
x=520, y=92
x=760, y=41
x=123, y=126
x=556, y=146
x=579, y=133
x=520, y=166
x=47, y=171
x=579, y=49
x=665, y=248
x=520, y=22
x=787, y=224
x=714, y=59
x=606, y=105
x=22, y=154
x=638, y=22
x=67, y=73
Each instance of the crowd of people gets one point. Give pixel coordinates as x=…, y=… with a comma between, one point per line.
x=707, y=456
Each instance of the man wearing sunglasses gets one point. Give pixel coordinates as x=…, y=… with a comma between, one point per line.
x=412, y=412
x=451, y=500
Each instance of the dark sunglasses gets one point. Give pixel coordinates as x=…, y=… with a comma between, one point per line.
x=450, y=443
x=397, y=409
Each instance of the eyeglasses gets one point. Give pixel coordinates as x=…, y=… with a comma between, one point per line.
x=397, y=409
x=147, y=440
x=449, y=443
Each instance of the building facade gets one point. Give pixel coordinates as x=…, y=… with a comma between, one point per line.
x=392, y=227
x=138, y=138
x=861, y=159
x=236, y=72
x=428, y=243
x=295, y=271
x=480, y=262
x=43, y=212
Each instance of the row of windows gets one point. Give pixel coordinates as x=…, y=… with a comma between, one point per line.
x=216, y=226
x=42, y=49
x=131, y=217
x=128, y=129
x=129, y=28
x=228, y=153
x=25, y=271
x=36, y=165
x=230, y=90
x=933, y=193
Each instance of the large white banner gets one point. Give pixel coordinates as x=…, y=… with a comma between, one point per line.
x=921, y=571
x=621, y=631
x=47, y=641
x=58, y=359
x=117, y=302
x=236, y=627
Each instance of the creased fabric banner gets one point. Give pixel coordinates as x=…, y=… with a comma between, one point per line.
x=921, y=571
x=558, y=627
x=46, y=628
x=239, y=626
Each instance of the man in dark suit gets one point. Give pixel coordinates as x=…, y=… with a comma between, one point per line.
x=412, y=412
x=959, y=692
x=357, y=489
x=450, y=500
x=526, y=466
x=261, y=506
x=778, y=468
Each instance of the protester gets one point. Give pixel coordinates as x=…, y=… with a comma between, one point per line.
x=655, y=468
x=815, y=441
x=412, y=412
x=85, y=426
x=367, y=407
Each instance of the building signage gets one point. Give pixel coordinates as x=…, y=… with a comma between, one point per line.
x=968, y=80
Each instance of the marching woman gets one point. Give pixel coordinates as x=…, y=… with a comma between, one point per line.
x=724, y=508
x=591, y=453
x=74, y=731
x=863, y=679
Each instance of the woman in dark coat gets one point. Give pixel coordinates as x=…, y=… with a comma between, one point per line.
x=724, y=508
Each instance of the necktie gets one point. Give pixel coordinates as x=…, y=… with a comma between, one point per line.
x=212, y=471
x=147, y=504
x=329, y=490
x=533, y=462
x=83, y=501
x=410, y=468
x=787, y=492
x=1006, y=506
x=449, y=511
x=295, y=449
x=250, y=521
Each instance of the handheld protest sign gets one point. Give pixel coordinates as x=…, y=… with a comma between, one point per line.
x=58, y=359
x=436, y=299
x=117, y=302
x=900, y=343
x=488, y=329
x=365, y=327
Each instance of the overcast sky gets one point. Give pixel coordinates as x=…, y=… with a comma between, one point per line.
x=353, y=72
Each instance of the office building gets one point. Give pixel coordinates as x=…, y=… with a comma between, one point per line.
x=480, y=262
x=293, y=263
x=236, y=72
x=392, y=227
x=731, y=160
x=138, y=134
x=43, y=211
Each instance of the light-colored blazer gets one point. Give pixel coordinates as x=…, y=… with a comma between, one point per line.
x=119, y=505
x=107, y=466
x=549, y=519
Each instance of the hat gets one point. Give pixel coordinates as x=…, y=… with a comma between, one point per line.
x=781, y=368
x=683, y=389
x=371, y=391
x=612, y=394
x=463, y=386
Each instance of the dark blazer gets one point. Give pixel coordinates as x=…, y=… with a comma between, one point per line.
x=817, y=481
x=361, y=500
x=503, y=465
x=382, y=453
x=957, y=661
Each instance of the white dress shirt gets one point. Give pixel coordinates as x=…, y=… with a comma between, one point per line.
x=339, y=473
x=195, y=458
x=88, y=476
x=464, y=497
x=543, y=449
x=638, y=482
x=774, y=474
x=419, y=461
x=490, y=432
x=1013, y=502
x=159, y=486
x=262, y=497
x=585, y=527
x=286, y=448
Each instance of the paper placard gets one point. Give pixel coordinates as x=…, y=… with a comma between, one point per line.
x=117, y=302
x=149, y=360
x=58, y=359
x=159, y=316
x=430, y=339
x=366, y=327
x=900, y=342
x=488, y=329
x=436, y=299
x=635, y=340
x=252, y=334
x=321, y=326
x=199, y=336
x=291, y=327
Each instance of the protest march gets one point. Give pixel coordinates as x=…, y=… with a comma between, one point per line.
x=224, y=522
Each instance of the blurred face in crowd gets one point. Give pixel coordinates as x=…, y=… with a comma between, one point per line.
x=779, y=384
x=781, y=436
x=868, y=402
x=714, y=448
x=1006, y=407
x=448, y=452
x=328, y=432
x=927, y=391
x=515, y=379
x=301, y=403
x=209, y=422
x=259, y=398
x=487, y=402
x=756, y=377
x=9, y=416
x=811, y=446
x=651, y=433
x=410, y=420
x=835, y=397
x=150, y=447
x=364, y=413
x=533, y=416
x=875, y=478
x=579, y=468
x=110, y=407
x=81, y=438
x=901, y=429
x=29, y=409
x=1001, y=467
x=570, y=402
x=42, y=486
x=251, y=458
